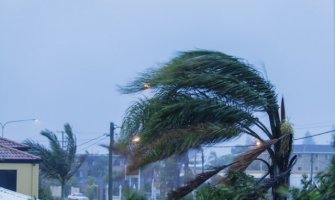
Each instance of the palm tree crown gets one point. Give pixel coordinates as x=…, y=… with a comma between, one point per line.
x=58, y=162
x=199, y=97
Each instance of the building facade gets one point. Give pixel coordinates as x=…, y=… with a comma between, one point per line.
x=19, y=170
x=311, y=160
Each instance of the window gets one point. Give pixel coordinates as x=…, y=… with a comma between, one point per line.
x=299, y=168
x=8, y=179
x=316, y=168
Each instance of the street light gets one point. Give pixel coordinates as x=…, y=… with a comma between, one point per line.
x=3, y=125
x=136, y=139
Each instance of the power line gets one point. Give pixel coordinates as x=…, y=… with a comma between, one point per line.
x=91, y=144
x=315, y=135
x=88, y=132
x=229, y=146
x=104, y=135
x=252, y=145
x=216, y=146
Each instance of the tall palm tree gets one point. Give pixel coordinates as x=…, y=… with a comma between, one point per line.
x=201, y=98
x=58, y=162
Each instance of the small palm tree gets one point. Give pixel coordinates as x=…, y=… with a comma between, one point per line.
x=59, y=163
x=206, y=97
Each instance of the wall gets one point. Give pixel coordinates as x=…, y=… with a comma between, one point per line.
x=27, y=177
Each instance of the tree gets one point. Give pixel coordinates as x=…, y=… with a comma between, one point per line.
x=308, y=138
x=201, y=98
x=307, y=192
x=326, y=179
x=91, y=189
x=322, y=188
x=245, y=188
x=59, y=163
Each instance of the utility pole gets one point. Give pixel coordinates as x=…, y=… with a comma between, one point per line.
x=110, y=166
x=202, y=160
x=63, y=139
x=312, y=162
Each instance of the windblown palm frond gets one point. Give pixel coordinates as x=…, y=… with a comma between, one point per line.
x=245, y=159
x=200, y=97
x=200, y=179
x=136, y=116
x=178, y=141
x=207, y=73
x=238, y=165
x=58, y=162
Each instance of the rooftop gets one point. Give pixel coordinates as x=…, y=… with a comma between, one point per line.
x=12, y=144
x=313, y=148
x=12, y=155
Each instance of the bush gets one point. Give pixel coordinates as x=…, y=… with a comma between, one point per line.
x=243, y=187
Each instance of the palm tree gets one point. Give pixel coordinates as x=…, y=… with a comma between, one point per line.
x=201, y=98
x=58, y=162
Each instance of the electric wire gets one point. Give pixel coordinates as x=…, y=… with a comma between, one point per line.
x=252, y=145
x=91, y=144
x=314, y=135
x=91, y=140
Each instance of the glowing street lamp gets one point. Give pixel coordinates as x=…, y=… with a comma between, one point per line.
x=3, y=125
x=136, y=139
x=146, y=85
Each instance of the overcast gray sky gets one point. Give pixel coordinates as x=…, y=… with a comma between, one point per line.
x=61, y=61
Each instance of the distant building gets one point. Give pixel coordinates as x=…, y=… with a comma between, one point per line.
x=89, y=169
x=311, y=159
x=19, y=170
x=197, y=160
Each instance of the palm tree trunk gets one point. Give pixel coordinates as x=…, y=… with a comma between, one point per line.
x=62, y=191
x=281, y=166
x=281, y=159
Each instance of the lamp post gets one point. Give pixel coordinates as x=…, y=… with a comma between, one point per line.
x=3, y=125
x=136, y=139
x=110, y=162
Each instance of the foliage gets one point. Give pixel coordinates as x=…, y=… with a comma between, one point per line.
x=307, y=192
x=44, y=192
x=58, y=162
x=244, y=187
x=91, y=190
x=130, y=194
x=325, y=180
x=202, y=98
x=323, y=188
x=327, y=183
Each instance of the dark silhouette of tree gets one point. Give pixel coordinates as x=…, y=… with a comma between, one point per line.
x=58, y=162
x=308, y=139
x=201, y=98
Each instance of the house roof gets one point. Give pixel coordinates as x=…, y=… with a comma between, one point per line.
x=313, y=148
x=12, y=155
x=12, y=144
